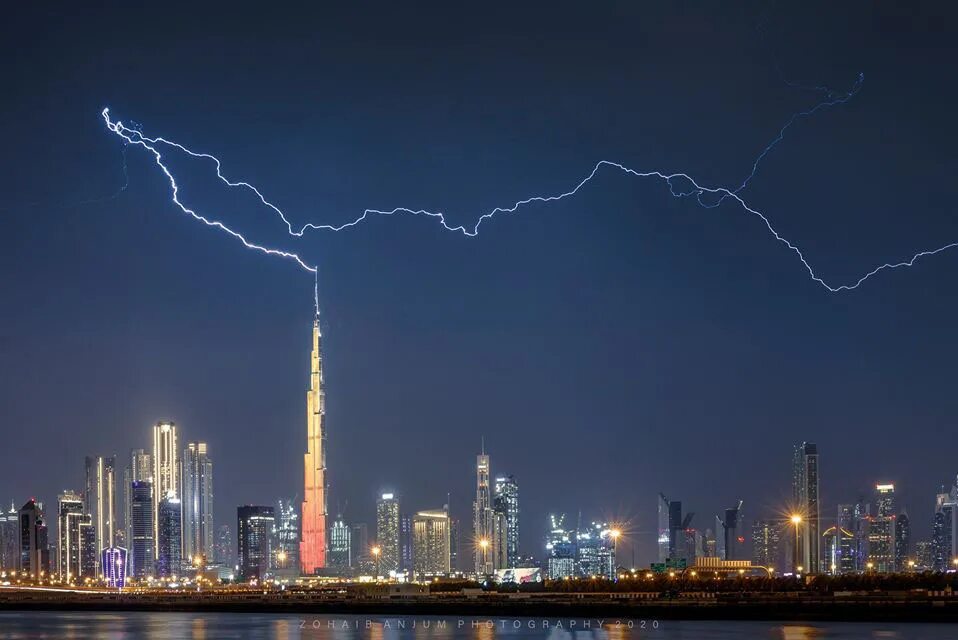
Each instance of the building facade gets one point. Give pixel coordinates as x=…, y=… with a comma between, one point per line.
x=139, y=467
x=806, y=502
x=387, y=533
x=197, y=501
x=431, y=543
x=254, y=527
x=142, y=543
x=169, y=543
x=482, y=518
x=166, y=471
x=766, y=541
x=313, y=545
x=340, y=547
x=506, y=502
x=101, y=499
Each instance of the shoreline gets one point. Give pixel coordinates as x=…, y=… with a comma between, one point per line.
x=608, y=607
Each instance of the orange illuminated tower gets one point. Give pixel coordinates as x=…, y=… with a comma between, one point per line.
x=312, y=547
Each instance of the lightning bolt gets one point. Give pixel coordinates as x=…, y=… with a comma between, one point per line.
x=136, y=137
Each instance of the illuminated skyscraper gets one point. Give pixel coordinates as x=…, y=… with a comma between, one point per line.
x=9, y=539
x=142, y=529
x=881, y=532
x=254, y=527
x=165, y=470
x=483, y=520
x=197, y=481
x=287, y=537
x=101, y=500
x=139, y=467
x=339, y=547
x=766, y=536
x=313, y=546
x=114, y=563
x=506, y=501
x=561, y=549
x=75, y=556
x=170, y=541
x=805, y=496
x=387, y=533
x=34, y=547
x=430, y=543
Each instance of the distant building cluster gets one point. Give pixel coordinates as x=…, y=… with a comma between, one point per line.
x=150, y=518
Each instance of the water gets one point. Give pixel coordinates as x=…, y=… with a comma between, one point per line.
x=215, y=626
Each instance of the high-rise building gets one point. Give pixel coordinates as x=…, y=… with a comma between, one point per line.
x=387, y=533
x=595, y=551
x=902, y=541
x=287, y=537
x=924, y=555
x=101, y=500
x=313, y=545
x=431, y=544
x=359, y=543
x=405, y=544
x=114, y=563
x=455, y=544
x=944, y=540
x=561, y=549
x=34, y=545
x=139, y=467
x=142, y=542
x=9, y=539
x=671, y=540
x=483, y=517
x=224, y=546
x=165, y=471
x=766, y=538
x=805, y=496
x=506, y=501
x=169, y=558
x=197, y=500
x=254, y=527
x=881, y=531
x=734, y=544
x=74, y=528
x=340, y=552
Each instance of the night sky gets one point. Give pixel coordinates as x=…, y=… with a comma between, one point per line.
x=608, y=346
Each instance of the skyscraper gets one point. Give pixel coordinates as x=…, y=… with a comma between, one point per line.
x=483, y=517
x=359, y=543
x=224, y=546
x=805, y=496
x=34, y=546
x=287, y=537
x=142, y=529
x=101, y=500
x=114, y=563
x=340, y=547
x=74, y=528
x=561, y=549
x=595, y=547
x=139, y=467
x=254, y=527
x=430, y=543
x=881, y=532
x=165, y=471
x=506, y=501
x=387, y=533
x=902, y=541
x=9, y=539
x=733, y=544
x=944, y=541
x=169, y=545
x=313, y=545
x=766, y=537
x=197, y=483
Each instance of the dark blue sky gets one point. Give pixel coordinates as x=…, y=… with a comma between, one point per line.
x=608, y=346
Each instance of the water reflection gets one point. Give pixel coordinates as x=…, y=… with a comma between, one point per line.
x=217, y=626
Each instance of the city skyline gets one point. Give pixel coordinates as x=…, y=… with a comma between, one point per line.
x=623, y=319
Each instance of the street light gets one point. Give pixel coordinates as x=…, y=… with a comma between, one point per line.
x=797, y=521
x=484, y=545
